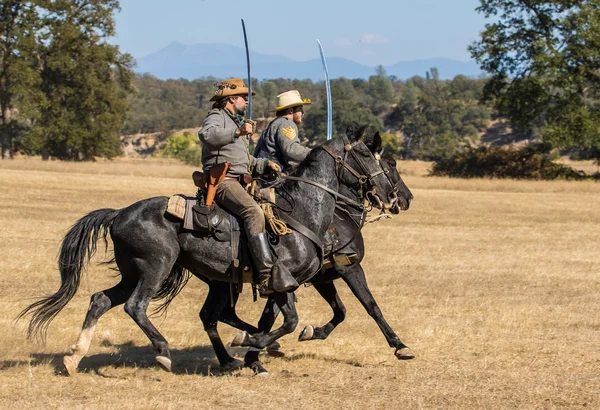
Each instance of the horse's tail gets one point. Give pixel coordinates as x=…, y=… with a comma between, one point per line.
x=78, y=247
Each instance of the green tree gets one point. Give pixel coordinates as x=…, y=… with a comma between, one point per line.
x=392, y=144
x=85, y=81
x=80, y=83
x=380, y=91
x=346, y=109
x=269, y=91
x=432, y=116
x=544, y=62
x=20, y=23
x=184, y=147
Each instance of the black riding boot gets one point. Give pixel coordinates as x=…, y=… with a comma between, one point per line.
x=273, y=278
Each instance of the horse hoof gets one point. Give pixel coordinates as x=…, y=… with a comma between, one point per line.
x=259, y=370
x=232, y=366
x=70, y=365
x=164, y=363
x=275, y=352
x=307, y=333
x=239, y=339
x=404, y=353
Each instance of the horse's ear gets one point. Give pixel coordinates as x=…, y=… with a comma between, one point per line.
x=354, y=132
x=377, y=143
x=351, y=129
x=374, y=142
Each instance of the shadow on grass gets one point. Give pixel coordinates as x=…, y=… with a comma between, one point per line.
x=198, y=360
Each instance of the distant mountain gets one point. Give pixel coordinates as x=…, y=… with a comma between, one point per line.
x=222, y=60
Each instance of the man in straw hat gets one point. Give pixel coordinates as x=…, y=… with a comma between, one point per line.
x=224, y=136
x=279, y=142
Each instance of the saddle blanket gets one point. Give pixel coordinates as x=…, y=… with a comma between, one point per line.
x=180, y=206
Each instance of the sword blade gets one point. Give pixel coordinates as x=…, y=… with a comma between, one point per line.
x=249, y=114
x=328, y=89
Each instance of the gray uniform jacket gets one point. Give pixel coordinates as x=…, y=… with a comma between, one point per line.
x=219, y=145
x=279, y=142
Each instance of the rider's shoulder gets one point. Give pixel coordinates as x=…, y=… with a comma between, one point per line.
x=284, y=122
x=215, y=111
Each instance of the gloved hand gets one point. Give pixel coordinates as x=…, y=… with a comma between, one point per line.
x=271, y=170
x=273, y=166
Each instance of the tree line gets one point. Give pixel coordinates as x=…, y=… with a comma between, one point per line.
x=66, y=93
x=423, y=117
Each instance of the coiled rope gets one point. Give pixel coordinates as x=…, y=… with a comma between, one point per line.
x=278, y=227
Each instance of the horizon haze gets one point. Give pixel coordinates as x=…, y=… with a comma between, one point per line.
x=178, y=60
x=394, y=31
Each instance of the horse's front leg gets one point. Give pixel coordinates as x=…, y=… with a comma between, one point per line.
x=229, y=316
x=328, y=291
x=354, y=276
x=287, y=306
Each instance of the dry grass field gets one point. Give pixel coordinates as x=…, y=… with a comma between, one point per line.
x=495, y=285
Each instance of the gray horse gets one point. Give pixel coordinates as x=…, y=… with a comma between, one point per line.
x=152, y=250
x=348, y=222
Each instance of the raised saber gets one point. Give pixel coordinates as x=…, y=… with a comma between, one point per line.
x=249, y=115
x=328, y=88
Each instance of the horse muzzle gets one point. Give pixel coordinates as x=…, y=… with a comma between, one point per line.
x=400, y=204
x=392, y=204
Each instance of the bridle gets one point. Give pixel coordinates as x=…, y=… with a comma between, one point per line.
x=365, y=177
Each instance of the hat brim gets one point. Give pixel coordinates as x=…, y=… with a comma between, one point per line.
x=296, y=104
x=237, y=91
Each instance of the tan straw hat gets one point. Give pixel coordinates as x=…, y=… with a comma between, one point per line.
x=228, y=88
x=290, y=99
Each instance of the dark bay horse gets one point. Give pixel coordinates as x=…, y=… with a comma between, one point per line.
x=152, y=250
x=347, y=222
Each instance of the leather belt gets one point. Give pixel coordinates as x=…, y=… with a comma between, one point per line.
x=243, y=179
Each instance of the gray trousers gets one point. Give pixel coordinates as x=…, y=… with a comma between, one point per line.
x=233, y=197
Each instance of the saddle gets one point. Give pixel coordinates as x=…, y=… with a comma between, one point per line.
x=206, y=220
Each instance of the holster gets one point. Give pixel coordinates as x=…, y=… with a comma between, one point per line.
x=216, y=174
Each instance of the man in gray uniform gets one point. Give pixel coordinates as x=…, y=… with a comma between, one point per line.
x=224, y=137
x=279, y=142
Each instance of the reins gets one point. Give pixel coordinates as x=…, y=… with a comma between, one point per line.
x=336, y=194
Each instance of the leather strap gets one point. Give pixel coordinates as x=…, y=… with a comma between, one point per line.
x=297, y=226
x=341, y=161
x=336, y=194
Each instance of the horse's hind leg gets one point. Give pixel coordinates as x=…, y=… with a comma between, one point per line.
x=328, y=291
x=137, y=306
x=100, y=303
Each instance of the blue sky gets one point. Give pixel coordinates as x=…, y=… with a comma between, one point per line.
x=369, y=32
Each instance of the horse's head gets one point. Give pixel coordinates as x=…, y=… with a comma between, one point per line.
x=360, y=168
x=403, y=194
